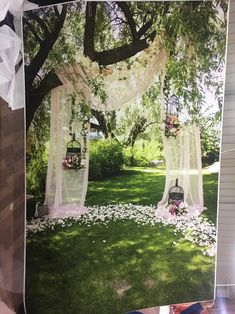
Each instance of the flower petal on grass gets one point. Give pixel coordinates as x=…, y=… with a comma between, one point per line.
x=197, y=230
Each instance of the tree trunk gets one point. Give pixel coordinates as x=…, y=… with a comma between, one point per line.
x=132, y=159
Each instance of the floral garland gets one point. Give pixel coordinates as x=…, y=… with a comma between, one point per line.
x=177, y=207
x=172, y=126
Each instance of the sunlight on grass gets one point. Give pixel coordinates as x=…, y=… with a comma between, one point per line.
x=56, y=237
x=134, y=267
x=145, y=186
x=137, y=186
x=122, y=265
x=160, y=170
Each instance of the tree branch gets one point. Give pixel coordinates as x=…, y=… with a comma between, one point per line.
x=35, y=97
x=127, y=12
x=144, y=28
x=89, y=34
x=121, y=53
x=110, y=22
x=46, y=45
x=118, y=54
x=43, y=25
x=33, y=31
x=138, y=128
x=151, y=123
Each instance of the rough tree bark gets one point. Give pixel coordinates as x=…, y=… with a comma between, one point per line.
x=35, y=95
x=120, y=53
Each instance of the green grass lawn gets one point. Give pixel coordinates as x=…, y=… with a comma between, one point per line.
x=145, y=186
x=134, y=185
x=120, y=266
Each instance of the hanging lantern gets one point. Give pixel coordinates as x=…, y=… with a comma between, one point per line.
x=73, y=155
x=176, y=205
x=176, y=193
x=172, y=124
x=172, y=106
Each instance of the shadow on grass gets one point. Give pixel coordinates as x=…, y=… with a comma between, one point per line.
x=119, y=266
x=145, y=186
x=137, y=186
x=113, y=268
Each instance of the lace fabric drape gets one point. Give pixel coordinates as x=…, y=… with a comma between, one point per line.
x=66, y=189
x=183, y=162
x=183, y=153
x=121, y=85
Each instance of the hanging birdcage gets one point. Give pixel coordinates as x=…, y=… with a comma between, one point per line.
x=172, y=106
x=172, y=124
x=176, y=193
x=73, y=155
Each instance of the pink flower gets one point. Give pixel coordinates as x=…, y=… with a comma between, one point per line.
x=172, y=210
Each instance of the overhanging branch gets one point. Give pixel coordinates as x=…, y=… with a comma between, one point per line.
x=46, y=46
x=33, y=31
x=127, y=12
x=35, y=97
x=89, y=35
x=118, y=54
x=43, y=25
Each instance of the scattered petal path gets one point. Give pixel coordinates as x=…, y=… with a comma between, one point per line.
x=196, y=229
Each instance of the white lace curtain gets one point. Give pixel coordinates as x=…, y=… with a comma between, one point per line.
x=66, y=189
x=121, y=85
x=183, y=162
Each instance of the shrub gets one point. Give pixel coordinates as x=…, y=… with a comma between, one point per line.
x=143, y=153
x=106, y=159
x=36, y=174
x=210, y=143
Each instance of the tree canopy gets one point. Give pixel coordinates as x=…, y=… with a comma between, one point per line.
x=193, y=32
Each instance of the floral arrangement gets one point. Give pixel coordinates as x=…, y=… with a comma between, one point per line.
x=72, y=161
x=177, y=207
x=172, y=126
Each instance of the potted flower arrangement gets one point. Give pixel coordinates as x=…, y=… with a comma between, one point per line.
x=73, y=158
x=72, y=161
x=172, y=126
x=177, y=207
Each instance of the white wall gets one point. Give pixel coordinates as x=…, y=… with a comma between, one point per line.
x=226, y=217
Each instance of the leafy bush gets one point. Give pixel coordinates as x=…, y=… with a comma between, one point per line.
x=143, y=153
x=106, y=159
x=210, y=142
x=36, y=174
x=37, y=151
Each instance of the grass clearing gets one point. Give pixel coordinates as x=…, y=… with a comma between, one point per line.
x=122, y=265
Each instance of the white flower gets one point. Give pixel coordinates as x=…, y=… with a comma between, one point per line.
x=197, y=230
